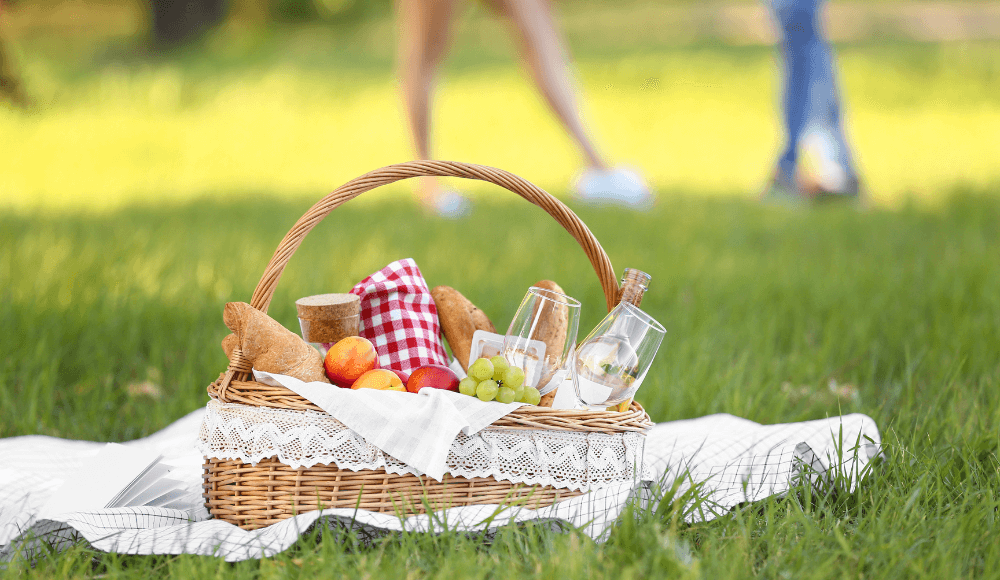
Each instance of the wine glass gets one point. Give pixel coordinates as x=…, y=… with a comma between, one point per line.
x=613, y=360
x=541, y=339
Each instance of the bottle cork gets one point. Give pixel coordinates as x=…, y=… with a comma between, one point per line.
x=634, y=285
x=327, y=318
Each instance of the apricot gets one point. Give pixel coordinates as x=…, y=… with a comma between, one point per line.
x=433, y=377
x=350, y=358
x=380, y=379
x=403, y=376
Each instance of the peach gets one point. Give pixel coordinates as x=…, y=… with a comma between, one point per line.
x=434, y=377
x=403, y=376
x=350, y=358
x=380, y=379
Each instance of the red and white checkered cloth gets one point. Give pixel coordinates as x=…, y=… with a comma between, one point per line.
x=399, y=316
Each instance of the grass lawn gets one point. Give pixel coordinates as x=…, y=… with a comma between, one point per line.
x=772, y=315
x=147, y=194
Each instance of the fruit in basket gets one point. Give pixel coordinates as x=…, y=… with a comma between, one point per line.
x=380, y=379
x=432, y=377
x=403, y=376
x=350, y=358
x=505, y=383
x=518, y=392
x=487, y=390
x=513, y=377
x=505, y=395
x=481, y=369
x=467, y=386
x=500, y=366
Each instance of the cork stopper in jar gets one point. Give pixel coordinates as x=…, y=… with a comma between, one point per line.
x=327, y=318
x=634, y=285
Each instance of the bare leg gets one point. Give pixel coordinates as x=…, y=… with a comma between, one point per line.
x=546, y=55
x=424, y=27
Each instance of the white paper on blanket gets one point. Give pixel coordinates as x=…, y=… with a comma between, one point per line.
x=120, y=476
x=415, y=428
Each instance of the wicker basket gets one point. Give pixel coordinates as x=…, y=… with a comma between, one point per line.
x=254, y=496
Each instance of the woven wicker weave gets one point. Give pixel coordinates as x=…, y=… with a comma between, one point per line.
x=254, y=496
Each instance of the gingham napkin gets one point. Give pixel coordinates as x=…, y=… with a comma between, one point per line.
x=399, y=316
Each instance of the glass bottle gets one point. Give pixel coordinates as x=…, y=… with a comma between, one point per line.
x=613, y=359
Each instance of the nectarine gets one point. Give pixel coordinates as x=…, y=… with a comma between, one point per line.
x=380, y=379
x=434, y=377
x=403, y=376
x=349, y=359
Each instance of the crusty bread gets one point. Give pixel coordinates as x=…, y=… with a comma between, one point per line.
x=269, y=346
x=459, y=320
x=229, y=343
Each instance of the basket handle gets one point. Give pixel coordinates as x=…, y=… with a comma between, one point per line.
x=392, y=173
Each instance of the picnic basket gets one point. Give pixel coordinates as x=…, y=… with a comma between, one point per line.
x=253, y=496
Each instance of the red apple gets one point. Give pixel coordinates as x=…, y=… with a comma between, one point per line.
x=433, y=377
x=403, y=376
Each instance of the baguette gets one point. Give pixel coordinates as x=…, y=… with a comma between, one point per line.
x=269, y=346
x=459, y=320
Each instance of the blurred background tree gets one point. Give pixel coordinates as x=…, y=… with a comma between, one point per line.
x=177, y=21
x=174, y=22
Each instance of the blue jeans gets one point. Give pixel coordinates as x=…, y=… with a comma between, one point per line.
x=811, y=100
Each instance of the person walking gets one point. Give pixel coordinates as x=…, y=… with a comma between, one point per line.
x=811, y=111
x=425, y=31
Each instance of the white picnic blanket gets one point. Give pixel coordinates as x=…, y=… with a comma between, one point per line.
x=730, y=460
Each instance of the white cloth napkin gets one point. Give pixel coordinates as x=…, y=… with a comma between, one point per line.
x=415, y=428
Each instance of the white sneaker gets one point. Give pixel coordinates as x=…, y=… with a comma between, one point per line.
x=452, y=205
x=620, y=186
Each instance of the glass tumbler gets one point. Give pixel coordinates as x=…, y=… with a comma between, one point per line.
x=541, y=339
x=613, y=360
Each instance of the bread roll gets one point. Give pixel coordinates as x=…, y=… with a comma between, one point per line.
x=459, y=320
x=269, y=346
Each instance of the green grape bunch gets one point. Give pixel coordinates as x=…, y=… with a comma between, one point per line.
x=494, y=379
